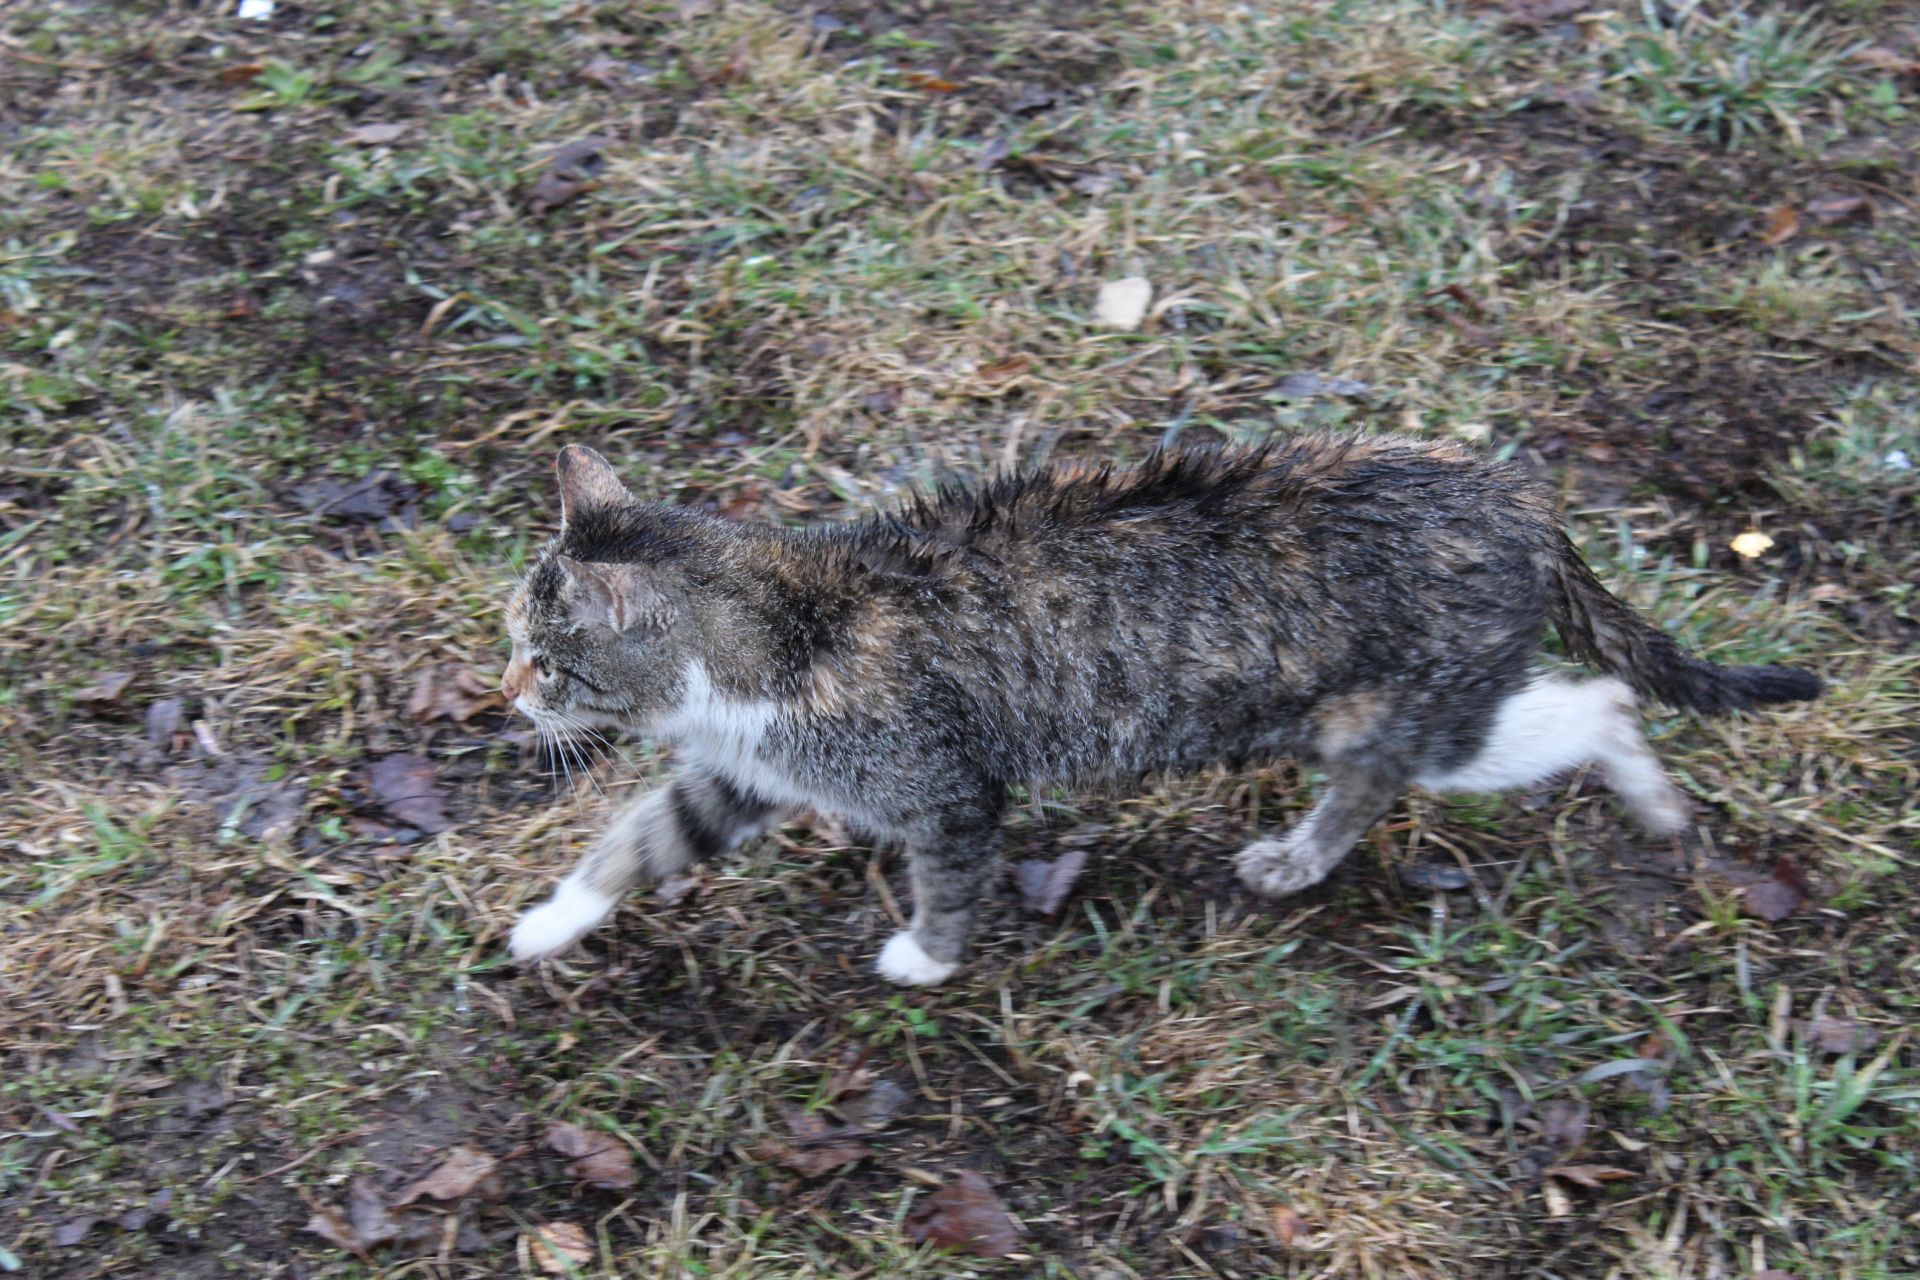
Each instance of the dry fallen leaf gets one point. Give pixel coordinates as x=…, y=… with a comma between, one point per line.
x=107, y=687
x=406, y=787
x=1836, y=207
x=598, y=1158
x=452, y=693
x=1831, y=1033
x=1044, y=884
x=374, y=135
x=739, y=62
x=967, y=1217
x=1589, y=1175
x=929, y=83
x=241, y=72
x=367, y=1214
x=1289, y=1226
x=1122, y=304
x=816, y=1148
x=1783, y=224
x=74, y=1230
x=1559, y=1204
x=674, y=890
x=464, y=1170
x=1751, y=544
x=1883, y=59
x=559, y=1248
x=1005, y=370
x=1774, y=899
x=1563, y=1123
x=332, y=1228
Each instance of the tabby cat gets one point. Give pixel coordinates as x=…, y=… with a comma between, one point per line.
x=1372, y=605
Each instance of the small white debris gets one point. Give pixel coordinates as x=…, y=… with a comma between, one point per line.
x=1751, y=544
x=320, y=257
x=254, y=10
x=1122, y=304
x=1898, y=461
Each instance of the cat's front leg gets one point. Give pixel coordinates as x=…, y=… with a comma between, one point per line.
x=696, y=815
x=952, y=866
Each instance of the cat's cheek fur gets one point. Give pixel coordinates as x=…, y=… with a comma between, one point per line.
x=571, y=914
x=905, y=962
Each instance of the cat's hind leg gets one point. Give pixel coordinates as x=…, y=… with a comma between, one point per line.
x=1354, y=799
x=951, y=869
x=1554, y=725
x=696, y=815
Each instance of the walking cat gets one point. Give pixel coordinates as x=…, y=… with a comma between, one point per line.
x=1372, y=605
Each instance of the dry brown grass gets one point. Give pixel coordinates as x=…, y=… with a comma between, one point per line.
x=280, y=408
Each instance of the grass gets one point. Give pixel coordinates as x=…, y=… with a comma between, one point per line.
x=281, y=390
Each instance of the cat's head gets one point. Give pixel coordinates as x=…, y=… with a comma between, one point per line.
x=594, y=622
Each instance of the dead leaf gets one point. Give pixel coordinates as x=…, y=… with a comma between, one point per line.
x=571, y=169
x=1122, y=304
x=559, y=1248
x=332, y=1228
x=1881, y=58
x=674, y=890
x=374, y=135
x=817, y=1147
x=603, y=71
x=241, y=72
x=1460, y=295
x=1559, y=1204
x=1831, y=1033
x=1751, y=544
x=367, y=1214
x=1774, y=899
x=1005, y=370
x=552, y=191
x=875, y=1107
x=1836, y=207
x=464, y=1170
x=106, y=687
x=1313, y=386
x=927, y=83
x=451, y=693
x=1592, y=1176
x=136, y=1218
x=739, y=62
x=966, y=1216
x=1044, y=884
x=1563, y=1123
x=407, y=789
x=1783, y=224
x=1540, y=13
x=599, y=1159
x=1289, y=1226
x=74, y=1230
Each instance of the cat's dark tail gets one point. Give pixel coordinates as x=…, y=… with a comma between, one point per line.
x=1602, y=630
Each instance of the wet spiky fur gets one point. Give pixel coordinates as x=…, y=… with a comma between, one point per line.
x=1373, y=605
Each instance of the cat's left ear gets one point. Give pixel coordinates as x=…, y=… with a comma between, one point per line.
x=588, y=482
x=617, y=596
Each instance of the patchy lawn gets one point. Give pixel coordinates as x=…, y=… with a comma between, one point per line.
x=294, y=313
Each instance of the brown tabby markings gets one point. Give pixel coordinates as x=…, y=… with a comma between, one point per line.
x=1372, y=606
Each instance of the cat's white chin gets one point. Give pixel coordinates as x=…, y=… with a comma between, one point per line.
x=556, y=924
x=903, y=961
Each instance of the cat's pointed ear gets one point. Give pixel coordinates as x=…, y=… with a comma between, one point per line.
x=617, y=596
x=587, y=482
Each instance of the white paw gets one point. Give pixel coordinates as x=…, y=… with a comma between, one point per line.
x=1274, y=869
x=559, y=922
x=1662, y=813
x=903, y=961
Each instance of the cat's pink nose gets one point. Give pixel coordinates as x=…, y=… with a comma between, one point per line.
x=517, y=680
